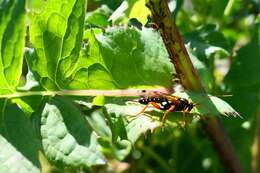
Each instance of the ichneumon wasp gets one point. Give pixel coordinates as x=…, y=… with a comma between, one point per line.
x=167, y=104
x=180, y=103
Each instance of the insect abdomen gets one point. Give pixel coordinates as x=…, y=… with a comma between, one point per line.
x=146, y=100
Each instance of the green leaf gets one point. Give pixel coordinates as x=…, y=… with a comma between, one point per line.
x=123, y=58
x=97, y=121
x=215, y=106
x=212, y=8
x=176, y=5
x=118, y=58
x=138, y=125
x=16, y=133
x=119, y=150
x=12, y=34
x=31, y=82
x=99, y=17
x=208, y=42
x=204, y=73
x=35, y=5
x=61, y=24
x=98, y=101
x=111, y=143
x=134, y=58
x=26, y=108
x=66, y=139
x=244, y=71
x=131, y=9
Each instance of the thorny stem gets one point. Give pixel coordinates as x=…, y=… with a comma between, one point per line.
x=191, y=81
x=256, y=144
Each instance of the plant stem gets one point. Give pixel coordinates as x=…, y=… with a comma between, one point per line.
x=158, y=158
x=221, y=143
x=229, y=7
x=191, y=81
x=256, y=144
x=116, y=93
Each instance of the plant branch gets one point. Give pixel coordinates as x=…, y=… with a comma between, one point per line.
x=148, y=151
x=256, y=144
x=191, y=81
x=115, y=93
x=174, y=45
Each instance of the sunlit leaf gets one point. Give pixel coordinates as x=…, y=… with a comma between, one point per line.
x=66, y=138
x=61, y=24
x=131, y=9
x=99, y=17
x=215, y=106
x=12, y=34
x=139, y=53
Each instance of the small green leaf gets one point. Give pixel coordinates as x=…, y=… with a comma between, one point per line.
x=97, y=121
x=12, y=34
x=26, y=108
x=98, y=101
x=139, y=126
x=66, y=139
x=110, y=143
x=31, y=82
x=207, y=42
x=205, y=75
x=99, y=17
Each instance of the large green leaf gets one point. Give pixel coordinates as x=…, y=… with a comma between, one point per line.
x=12, y=34
x=56, y=34
x=122, y=58
x=66, y=138
x=245, y=68
x=135, y=58
x=119, y=58
x=18, y=142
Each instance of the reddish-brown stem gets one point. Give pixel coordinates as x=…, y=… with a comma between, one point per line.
x=191, y=81
x=256, y=145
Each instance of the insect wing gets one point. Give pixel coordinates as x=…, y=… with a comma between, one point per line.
x=172, y=98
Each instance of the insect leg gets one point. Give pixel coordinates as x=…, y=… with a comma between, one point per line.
x=150, y=103
x=165, y=115
x=184, y=117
